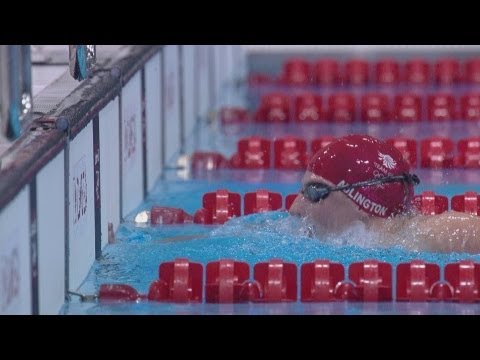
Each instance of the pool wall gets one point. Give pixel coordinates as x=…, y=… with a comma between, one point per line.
x=60, y=190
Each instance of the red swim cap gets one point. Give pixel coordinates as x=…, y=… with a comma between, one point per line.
x=356, y=158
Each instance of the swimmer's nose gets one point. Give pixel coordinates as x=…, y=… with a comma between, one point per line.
x=298, y=206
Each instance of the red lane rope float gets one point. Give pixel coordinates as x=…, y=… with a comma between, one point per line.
x=407, y=147
x=308, y=108
x=464, y=277
x=437, y=152
x=253, y=153
x=468, y=152
x=290, y=153
x=415, y=281
x=468, y=203
x=372, y=280
x=347, y=107
x=218, y=207
x=387, y=72
x=298, y=72
x=179, y=281
x=223, y=205
x=260, y=201
x=168, y=215
x=228, y=281
x=429, y=203
x=277, y=281
x=321, y=280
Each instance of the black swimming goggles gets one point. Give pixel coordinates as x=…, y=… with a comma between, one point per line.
x=315, y=191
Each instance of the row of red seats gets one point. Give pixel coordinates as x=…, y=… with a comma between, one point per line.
x=358, y=72
x=290, y=153
x=373, y=107
x=223, y=205
x=228, y=281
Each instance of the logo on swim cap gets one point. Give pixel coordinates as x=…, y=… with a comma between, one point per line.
x=356, y=158
x=388, y=162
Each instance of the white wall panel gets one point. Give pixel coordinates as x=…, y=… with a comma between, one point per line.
x=51, y=235
x=153, y=103
x=109, y=167
x=203, y=76
x=171, y=96
x=15, y=277
x=189, y=93
x=81, y=207
x=132, y=164
x=221, y=73
x=239, y=62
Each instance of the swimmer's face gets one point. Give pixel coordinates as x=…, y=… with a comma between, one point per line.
x=333, y=214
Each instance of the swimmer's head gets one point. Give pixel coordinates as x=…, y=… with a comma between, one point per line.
x=349, y=160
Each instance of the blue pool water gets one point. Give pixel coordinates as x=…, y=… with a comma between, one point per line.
x=135, y=257
x=138, y=251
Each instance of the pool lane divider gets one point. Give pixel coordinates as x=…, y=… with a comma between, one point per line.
x=222, y=205
x=293, y=153
x=274, y=281
x=297, y=72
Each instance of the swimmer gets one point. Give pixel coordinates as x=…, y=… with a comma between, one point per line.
x=361, y=179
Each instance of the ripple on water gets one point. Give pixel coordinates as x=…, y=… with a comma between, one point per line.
x=134, y=259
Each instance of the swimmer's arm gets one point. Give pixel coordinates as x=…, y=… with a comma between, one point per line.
x=448, y=232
